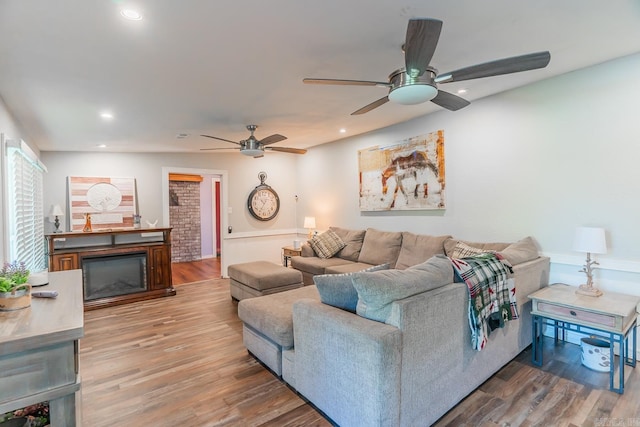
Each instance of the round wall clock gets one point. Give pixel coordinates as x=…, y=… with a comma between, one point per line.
x=263, y=202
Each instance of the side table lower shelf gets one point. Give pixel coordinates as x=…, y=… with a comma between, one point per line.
x=622, y=339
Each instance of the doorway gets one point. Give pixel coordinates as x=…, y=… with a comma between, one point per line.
x=215, y=200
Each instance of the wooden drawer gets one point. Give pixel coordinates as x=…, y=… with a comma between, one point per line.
x=292, y=252
x=576, y=314
x=27, y=373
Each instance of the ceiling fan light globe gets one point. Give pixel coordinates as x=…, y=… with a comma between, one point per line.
x=252, y=152
x=413, y=94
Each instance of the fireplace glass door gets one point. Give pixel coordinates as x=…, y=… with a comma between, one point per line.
x=112, y=275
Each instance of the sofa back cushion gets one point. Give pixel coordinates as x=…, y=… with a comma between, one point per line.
x=337, y=289
x=418, y=248
x=450, y=244
x=352, y=239
x=516, y=253
x=378, y=290
x=380, y=247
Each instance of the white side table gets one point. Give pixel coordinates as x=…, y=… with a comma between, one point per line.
x=612, y=316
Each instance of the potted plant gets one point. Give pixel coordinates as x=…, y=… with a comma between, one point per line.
x=15, y=292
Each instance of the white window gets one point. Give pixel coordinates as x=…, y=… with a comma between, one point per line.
x=24, y=206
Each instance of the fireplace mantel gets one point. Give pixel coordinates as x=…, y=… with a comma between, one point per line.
x=67, y=251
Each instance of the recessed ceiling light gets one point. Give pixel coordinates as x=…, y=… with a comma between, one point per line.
x=131, y=15
x=461, y=91
x=343, y=130
x=106, y=115
x=102, y=145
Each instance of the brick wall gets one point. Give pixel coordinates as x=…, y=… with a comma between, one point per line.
x=184, y=218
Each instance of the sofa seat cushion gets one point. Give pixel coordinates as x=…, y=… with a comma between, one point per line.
x=272, y=315
x=348, y=268
x=352, y=239
x=315, y=265
x=378, y=290
x=417, y=249
x=263, y=275
x=380, y=247
x=338, y=291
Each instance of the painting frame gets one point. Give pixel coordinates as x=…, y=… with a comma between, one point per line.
x=408, y=175
x=111, y=202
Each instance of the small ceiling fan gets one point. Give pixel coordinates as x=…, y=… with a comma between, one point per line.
x=417, y=81
x=254, y=147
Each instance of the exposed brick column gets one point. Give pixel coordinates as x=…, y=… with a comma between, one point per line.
x=184, y=218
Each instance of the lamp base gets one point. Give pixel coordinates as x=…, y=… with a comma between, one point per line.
x=589, y=291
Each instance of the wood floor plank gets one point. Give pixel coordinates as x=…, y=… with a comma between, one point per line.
x=180, y=361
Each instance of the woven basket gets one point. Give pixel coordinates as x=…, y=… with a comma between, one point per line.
x=15, y=300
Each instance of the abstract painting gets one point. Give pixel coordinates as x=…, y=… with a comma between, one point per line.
x=111, y=202
x=408, y=175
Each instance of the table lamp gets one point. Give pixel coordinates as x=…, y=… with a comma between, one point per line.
x=310, y=224
x=56, y=212
x=592, y=241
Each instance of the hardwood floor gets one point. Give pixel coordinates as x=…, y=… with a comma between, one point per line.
x=179, y=361
x=195, y=271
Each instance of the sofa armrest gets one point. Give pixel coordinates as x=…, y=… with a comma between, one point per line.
x=307, y=250
x=332, y=347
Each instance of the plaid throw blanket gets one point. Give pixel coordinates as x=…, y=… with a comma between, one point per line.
x=492, y=294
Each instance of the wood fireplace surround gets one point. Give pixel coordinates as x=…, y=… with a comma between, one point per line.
x=150, y=247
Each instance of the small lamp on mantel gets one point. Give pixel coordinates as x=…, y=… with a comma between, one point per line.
x=592, y=241
x=55, y=213
x=310, y=224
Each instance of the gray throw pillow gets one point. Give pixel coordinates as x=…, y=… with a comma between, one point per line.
x=377, y=291
x=337, y=289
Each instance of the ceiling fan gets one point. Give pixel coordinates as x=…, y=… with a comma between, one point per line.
x=254, y=147
x=417, y=81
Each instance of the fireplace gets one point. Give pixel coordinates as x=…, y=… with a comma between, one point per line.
x=112, y=275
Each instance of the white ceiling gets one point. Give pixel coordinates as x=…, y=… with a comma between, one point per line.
x=206, y=66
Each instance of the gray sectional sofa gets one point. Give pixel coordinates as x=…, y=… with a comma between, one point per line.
x=413, y=364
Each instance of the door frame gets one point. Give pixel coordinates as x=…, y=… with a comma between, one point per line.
x=224, y=200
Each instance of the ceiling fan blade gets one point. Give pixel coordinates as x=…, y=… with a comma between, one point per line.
x=221, y=139
x=420, y=44
x=449, y=101
x=210, y=149
x=272, y=139
x=369, y=107
x=510, y=65
x=287, y=150
x=344, y=82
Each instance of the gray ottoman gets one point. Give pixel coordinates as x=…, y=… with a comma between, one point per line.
x=252, y=279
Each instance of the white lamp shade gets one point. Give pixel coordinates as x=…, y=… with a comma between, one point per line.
x=590, y=239
x=56, y=210
x=309, y=222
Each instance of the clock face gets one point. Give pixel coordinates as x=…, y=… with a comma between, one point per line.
x=263, y=203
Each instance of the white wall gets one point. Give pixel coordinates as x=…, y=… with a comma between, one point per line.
x=242, y=173
x=539, y=160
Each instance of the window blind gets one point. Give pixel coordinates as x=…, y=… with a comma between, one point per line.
x=25, y=210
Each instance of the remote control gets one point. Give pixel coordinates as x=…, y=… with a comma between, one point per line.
x=44, y=294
